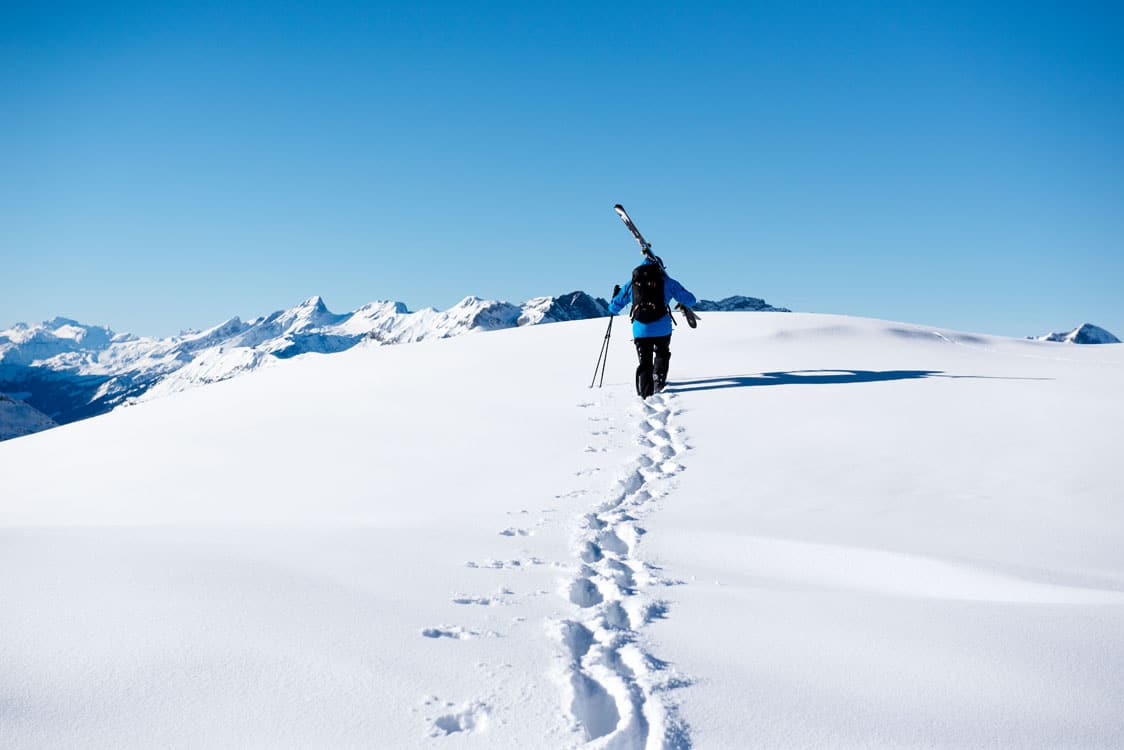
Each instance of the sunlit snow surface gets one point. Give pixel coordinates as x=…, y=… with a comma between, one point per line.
x=828, y=532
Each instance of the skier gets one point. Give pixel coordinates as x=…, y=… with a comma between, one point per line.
x=650, y=291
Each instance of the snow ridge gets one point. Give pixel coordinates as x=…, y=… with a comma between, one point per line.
x=613, y=688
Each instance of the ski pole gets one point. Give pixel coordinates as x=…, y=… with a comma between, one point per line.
x=606, y=362
x=603, y=357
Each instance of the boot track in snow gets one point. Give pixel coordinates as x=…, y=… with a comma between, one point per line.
x=613, y=687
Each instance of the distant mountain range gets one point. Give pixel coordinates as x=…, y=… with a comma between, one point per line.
x=1083, y=334
x=738, y=304
x=61, y=370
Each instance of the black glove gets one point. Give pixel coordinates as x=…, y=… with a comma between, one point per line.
x=689, y=314
x=616, y=290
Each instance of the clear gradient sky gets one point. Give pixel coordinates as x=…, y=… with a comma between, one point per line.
x=165, y=166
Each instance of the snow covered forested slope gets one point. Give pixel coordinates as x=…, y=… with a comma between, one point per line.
x=18, y=418
x=828, y=532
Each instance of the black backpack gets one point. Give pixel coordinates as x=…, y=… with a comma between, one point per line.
x=648, y=302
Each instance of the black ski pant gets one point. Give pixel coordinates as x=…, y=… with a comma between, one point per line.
x=655, y=356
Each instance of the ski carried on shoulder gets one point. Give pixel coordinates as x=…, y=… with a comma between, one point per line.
x=646, y=248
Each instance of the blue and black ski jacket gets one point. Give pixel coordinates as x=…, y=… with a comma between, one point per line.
x=672, y=289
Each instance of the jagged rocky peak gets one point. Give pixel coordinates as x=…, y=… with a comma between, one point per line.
x=311, y=313
x=1083, y=334
x=738, y=303
x=485, y=313
x=313, y=309
x=314, y=303
x=572, y=306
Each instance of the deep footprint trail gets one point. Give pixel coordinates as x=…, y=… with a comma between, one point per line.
x=615, y=690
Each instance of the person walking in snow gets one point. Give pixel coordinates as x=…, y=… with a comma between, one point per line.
x=650, y=292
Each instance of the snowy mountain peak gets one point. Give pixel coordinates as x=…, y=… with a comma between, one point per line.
x=572, y=306
x=59, y=322
x=471, y=301
x=314, y=303
x=1083, y=334
x=485, y=314
x=382, y=307
x=23, y=343
x=311, y=312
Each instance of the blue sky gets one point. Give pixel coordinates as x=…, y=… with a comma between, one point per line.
x=170, y=165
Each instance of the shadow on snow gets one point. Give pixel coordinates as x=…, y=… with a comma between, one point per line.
x=817, y=377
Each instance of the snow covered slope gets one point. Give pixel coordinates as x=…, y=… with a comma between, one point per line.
x=828, y=532
x=1083, y=334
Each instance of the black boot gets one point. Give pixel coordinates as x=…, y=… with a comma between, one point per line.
x=663, y=361
x=644, y=382
x=645, y=349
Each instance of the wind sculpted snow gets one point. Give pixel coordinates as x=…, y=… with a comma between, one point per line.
x=827, y=532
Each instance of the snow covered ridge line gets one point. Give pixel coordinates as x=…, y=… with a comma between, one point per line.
x=1083, y=334
x=68, y=370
